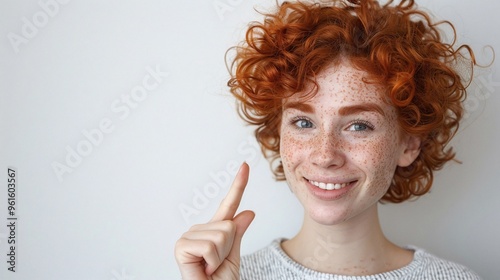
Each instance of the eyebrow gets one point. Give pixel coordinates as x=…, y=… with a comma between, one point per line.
x=343, y=111
x=304, y=107
x=365, y=107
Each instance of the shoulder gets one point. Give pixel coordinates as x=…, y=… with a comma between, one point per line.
x=433, y=267
x=262, y=263
x=272, y=262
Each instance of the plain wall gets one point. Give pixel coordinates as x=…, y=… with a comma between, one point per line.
x=150, y=75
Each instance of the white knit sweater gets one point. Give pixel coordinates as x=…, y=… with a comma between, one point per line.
x=273, y=263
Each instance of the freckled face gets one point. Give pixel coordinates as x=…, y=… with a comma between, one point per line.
x=340, y=149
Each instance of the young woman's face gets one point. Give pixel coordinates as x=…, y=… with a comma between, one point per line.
x=340, y=149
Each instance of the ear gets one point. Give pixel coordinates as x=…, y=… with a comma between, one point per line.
x=411, y=150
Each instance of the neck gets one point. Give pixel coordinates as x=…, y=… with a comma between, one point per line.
x=355, y=247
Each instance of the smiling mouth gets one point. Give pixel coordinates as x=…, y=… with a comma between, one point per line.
x=329, y=186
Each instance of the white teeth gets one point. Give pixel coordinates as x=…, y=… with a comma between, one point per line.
x=328, y=186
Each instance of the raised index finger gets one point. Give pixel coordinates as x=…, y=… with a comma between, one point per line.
x=231, y=202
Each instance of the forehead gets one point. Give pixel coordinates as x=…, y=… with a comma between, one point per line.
x=342, y=83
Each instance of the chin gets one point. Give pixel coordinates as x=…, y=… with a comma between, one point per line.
x=328, y=216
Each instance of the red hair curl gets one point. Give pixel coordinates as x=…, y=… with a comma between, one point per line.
x=398, y=45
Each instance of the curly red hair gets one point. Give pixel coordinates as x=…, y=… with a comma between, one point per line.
x=398, y=45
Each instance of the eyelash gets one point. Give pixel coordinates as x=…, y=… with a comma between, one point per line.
x=295, y=121
x=368, y=125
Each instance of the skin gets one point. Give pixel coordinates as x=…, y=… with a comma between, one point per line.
x=327, y=142
x=331, y=139
x=212, y=250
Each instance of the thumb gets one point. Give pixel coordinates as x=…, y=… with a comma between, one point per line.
x=242, y=221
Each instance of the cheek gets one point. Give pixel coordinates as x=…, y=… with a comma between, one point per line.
x=288, y=150
x=294, y=151
x=380, y=160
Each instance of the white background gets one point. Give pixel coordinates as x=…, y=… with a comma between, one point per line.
x=116, y=215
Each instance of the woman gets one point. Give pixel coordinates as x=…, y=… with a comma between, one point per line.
x=354, y=103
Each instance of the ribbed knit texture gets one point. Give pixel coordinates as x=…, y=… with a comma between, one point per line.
x=273, y=263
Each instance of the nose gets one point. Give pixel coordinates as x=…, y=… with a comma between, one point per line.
x=327, y=151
